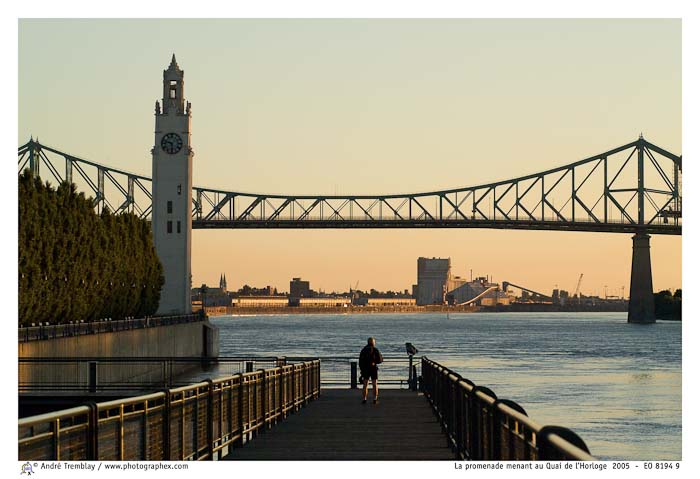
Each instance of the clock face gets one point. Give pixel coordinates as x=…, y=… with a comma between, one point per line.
x=171, y=143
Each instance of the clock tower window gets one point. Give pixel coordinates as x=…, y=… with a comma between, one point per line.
x=173, y=89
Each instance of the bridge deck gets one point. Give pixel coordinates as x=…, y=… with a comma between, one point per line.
x=338, y=426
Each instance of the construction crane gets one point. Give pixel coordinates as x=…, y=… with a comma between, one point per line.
x=354, y=290
x=578, y=288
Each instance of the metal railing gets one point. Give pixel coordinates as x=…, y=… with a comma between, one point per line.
x=53, y=331
x=480, y=426
x=201, y=421
x=80, y=375
x=104, y=374
x=338, y=371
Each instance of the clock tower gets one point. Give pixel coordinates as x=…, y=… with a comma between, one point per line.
x=172, y=193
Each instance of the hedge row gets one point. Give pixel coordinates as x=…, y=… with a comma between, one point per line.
x=76, y=265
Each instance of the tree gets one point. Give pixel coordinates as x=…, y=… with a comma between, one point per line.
x=75, y=265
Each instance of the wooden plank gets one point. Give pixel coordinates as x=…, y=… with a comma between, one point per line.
x=337, y=426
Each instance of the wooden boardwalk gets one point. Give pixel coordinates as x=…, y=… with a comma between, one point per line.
x=337, y=426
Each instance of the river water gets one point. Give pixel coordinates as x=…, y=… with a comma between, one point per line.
x=617, y=385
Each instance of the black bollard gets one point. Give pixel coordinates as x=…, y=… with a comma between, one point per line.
x=92, y=376
x=353, y=374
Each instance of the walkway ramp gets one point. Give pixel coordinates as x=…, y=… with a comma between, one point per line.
x=337, y=426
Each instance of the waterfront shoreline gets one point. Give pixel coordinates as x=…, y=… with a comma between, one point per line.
x=292, y=311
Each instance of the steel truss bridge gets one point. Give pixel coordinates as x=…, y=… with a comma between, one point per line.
x=632, y=188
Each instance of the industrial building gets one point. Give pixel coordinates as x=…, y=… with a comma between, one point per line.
x=436, y=285
x=479, y=292
x=337, y=302
x=433, y=277
x=365, y=301
x=299, y=288
x=260, y=302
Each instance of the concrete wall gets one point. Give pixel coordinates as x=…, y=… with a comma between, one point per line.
x=174, y=340
x=189, y=339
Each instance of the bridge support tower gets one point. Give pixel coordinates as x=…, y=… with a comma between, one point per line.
x=641, y=304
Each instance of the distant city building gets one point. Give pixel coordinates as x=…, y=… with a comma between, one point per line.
x=455, y=282
x=364, y=301
x=322, y=302
x=210, y=296
x=247, y=290
x=560, y=296
x=434, y=275
x=299, y=288
x=259, y=301
x=480, y=292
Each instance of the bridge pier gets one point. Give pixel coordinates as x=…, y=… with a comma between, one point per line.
x=641, y=303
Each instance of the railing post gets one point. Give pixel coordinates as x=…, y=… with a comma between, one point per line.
x=459, y=419
x=279, y=387
x=56, y=439
x=230, y=409
x=307, y=382
x=410, y=372
x=92, y=432
x=121, y=432
x=263, y=403
x=210, y=418
x=241, y=423
x=293, y=391
x=166, y=425
x=353, y=374
x=318, y=378
x=146, y=439
x=304, y=384
x=92, y=376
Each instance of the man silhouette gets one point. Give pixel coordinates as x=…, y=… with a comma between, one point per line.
x=370, y=358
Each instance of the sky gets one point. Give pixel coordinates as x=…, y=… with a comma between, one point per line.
x=369, y=107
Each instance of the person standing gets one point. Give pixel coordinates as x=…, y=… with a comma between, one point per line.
x=370, y=358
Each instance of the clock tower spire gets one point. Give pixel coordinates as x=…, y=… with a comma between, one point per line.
x=172, y=192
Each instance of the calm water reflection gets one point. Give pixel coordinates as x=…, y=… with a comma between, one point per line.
x=617, y=385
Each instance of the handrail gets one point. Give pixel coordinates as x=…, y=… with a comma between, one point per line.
x=51, y=416
x=61, y=330
x=71, y=375
x=481, y=426
x=199, y=421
